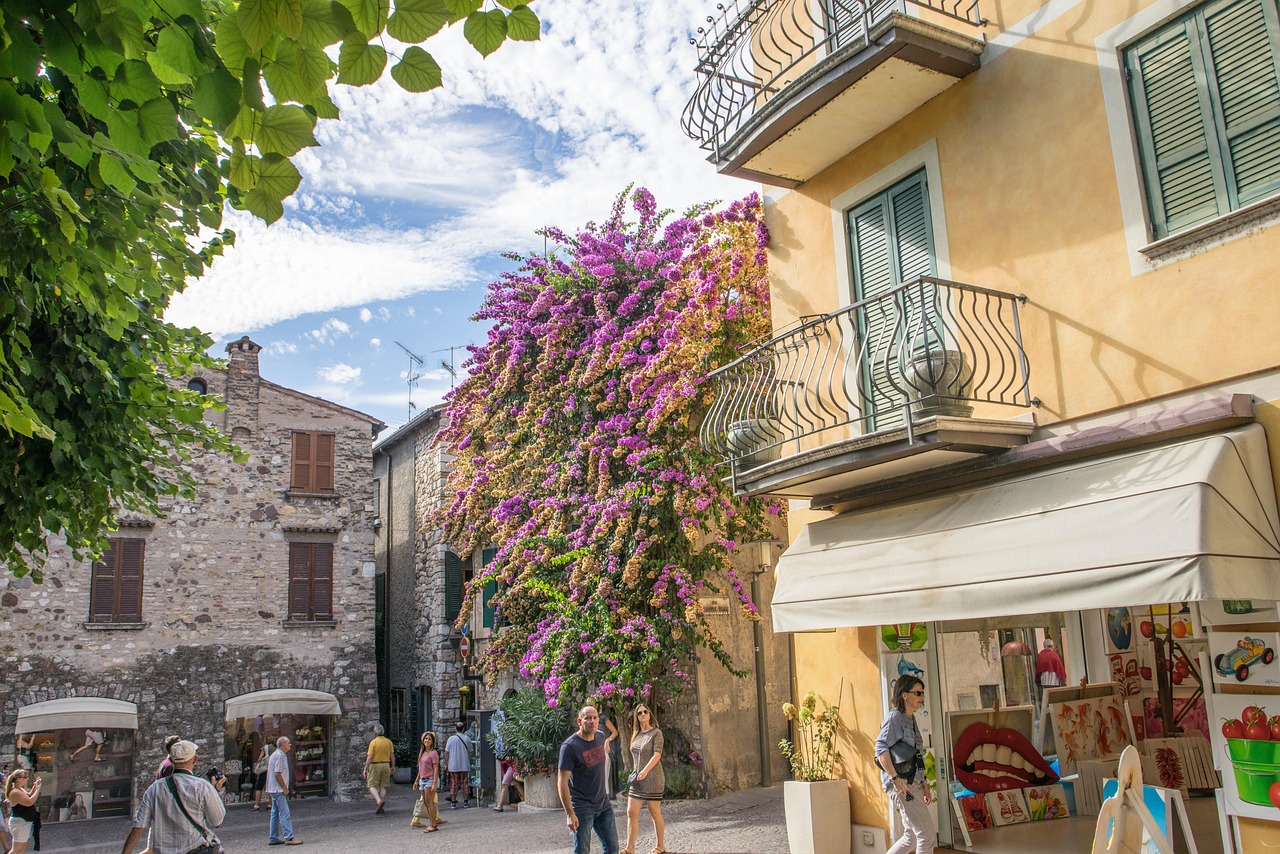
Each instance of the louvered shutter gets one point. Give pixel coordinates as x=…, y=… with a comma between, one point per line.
x=301, y=480
x=299, y=581
x=322, y=581
x=322, y=463
x=129, y=581
x=488, y=591
x=844, y=22
x=452, y=586
x=892, y=239
x=1243, y=42
x=102, y=590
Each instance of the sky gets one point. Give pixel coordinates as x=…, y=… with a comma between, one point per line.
x=408, y=204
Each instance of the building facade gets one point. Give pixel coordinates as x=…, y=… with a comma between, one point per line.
x=235, y=617
x=1024, y=380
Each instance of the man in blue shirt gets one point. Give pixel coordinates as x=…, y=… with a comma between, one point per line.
x=583, y=793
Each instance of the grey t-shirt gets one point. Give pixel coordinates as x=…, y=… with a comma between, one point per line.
x=585, y=762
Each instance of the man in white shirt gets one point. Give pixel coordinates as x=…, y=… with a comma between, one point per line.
x=280, y=831
x=457, y=751
x=181, y=809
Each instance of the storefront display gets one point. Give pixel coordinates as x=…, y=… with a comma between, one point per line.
x=261, y=718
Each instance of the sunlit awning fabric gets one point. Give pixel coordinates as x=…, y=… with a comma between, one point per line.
x=77, y=713
x=283, y=701
x=1190, y=520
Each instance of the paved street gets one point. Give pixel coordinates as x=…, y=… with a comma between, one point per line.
x=749, y=821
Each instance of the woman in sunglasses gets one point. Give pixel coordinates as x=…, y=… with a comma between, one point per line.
x=21, y=794
x=647, y=783
x=899, y=755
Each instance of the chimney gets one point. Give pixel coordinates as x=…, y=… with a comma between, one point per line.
x=242, y=388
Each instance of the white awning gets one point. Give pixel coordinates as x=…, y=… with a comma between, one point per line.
x=283, y=701
x=1191, y=520
x=77, y=713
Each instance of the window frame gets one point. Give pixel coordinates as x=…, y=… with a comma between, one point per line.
x=305, y=570
x=311, y=470
x=118, y=553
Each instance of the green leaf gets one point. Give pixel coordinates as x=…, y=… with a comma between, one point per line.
x=289, y=17
x=278, y=178
x=417, y=71
x=263, y=206
x=523, y=25
x=251, y=81
x=231, y=44
x=459, y=9
x=486, y=30
x=122, y=128
x=324, y=22
x=415, y=21
x=62, y=46
x=121, y=30
x=175, y=48
x=144, y=170
x=360, y=63
x=157, y=121
x=286, y=130
x=21, y=58
x=322, y=106
x=134, y=81
x=113, y=172
x=217, y=97
x=172, y=10
x=297, y=72
x=257, y=20
x=245, y=169
x=369, y=16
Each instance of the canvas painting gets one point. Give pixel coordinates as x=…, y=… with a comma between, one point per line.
x=1045, y=803
x=904, y=636
x=1088, y=729
x=1178, y=620
x=1119, y=630
x=1245, y=657
x=1245, y=754
x=1007, y=808
x=1126, y=671
x=1194, y=720
x=1224, y=612
x=975, y=812
x=895, y=665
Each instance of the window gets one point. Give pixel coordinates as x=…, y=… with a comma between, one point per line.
x=452, y=586
x=1205, y=93
x=891, y=237
x=310, y=581
x=399, y=721
x=312, y=462
x=198, y=385
x=115, y=591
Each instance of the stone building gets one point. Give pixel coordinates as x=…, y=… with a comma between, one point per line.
x=235, y=617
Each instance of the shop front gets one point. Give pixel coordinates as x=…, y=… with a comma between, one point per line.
x=1150, y=575
x=257, y=720
x=82, y=748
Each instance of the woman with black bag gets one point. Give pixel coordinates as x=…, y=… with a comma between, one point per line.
x=899, y=754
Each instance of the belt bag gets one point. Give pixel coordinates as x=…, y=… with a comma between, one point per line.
x=906, y=760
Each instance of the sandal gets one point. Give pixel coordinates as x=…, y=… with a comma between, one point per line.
x=428, y=830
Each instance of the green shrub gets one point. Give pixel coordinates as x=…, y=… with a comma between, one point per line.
x=530, y=732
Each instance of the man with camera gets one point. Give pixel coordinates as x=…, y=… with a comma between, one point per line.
x=181, y=809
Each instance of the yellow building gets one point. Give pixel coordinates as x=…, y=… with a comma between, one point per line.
x=1024, y=379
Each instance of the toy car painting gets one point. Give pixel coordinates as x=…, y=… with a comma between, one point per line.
x=1248, y=653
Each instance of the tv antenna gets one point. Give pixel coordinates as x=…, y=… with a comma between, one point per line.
x=413, y=374
x=449, y=366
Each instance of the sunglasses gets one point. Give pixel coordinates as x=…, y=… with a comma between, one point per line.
x=642, y=712
x=916, y=693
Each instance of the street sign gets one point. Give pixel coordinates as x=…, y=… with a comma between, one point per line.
x=464, y=646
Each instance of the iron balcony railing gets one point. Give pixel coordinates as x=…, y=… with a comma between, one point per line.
x=754, y=48
x=925, y=348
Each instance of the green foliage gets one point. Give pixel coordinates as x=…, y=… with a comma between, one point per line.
x=406, y=752
x=682, y=781
x=813, y=756
x=531, y=732
x=125, y=127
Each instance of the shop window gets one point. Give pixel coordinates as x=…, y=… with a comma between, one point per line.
x=310, y=581
x=312, y=462
x=1205, y=93
x=116, y=588
x=309, y=766
x=87, y=771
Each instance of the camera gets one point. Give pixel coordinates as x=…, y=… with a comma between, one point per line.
x=214, y=775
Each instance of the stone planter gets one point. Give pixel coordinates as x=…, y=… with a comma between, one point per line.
x=745, y=437
x=540, y=793
x=818, y=820
x=941, y=379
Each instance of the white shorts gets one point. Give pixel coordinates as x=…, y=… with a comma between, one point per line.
x=93, y=737
x=20, y=829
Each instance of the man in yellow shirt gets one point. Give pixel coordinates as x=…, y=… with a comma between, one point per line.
x=379, y=762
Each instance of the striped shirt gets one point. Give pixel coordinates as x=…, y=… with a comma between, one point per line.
x=171, y=833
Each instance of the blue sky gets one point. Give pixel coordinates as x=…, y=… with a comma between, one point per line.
x=406, y=207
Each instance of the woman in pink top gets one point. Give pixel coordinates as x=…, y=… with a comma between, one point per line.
x=428, y=782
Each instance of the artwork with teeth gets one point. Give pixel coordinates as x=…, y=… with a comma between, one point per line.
x=1007, y=808
x=992, y=759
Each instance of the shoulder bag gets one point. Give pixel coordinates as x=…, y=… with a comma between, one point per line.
x=211, y=842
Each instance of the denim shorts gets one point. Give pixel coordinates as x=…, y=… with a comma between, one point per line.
x=424, y=784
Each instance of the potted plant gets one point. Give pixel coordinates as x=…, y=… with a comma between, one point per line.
x=529, y=733
x=406, y=760
x=816, y=801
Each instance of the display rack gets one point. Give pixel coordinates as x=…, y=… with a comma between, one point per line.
x=311, y=775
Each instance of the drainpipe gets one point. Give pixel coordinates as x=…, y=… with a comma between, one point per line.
x=762, y=707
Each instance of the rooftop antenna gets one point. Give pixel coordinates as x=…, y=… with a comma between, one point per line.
x=412, y=375
x=448, y=366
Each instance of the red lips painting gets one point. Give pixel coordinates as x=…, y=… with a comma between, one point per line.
x=990, y=760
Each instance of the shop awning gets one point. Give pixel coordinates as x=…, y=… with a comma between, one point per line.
x=1191, y=520
x=77, y=713
x=283, y=701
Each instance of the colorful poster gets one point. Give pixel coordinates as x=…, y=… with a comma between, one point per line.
x=1224, y=612
x=1196, y=719
x=1119, y=630
x=975, y=812
x=1007, y=808
x=1088, y=729
x=1046, y=803
x=1126, y=671
x=1177, y=620
x=893, y=666
x=1245, y=657
x=904, y=636
x=989, y=759
x=1247, y=752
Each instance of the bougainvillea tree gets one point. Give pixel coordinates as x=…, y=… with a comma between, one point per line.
x=575, y=436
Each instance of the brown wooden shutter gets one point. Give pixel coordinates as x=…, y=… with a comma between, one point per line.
x=322, y=463
x=322, y=581
x=302, y=470
x=102, y=586
x=299, y=580
x=129, y=581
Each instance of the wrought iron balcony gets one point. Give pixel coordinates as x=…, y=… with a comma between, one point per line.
x=765, y=66
x=927, y=348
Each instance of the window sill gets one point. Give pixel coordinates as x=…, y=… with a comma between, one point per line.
x=310, y=624
x=293, y=493
x=1246, y=220
x=114, y=627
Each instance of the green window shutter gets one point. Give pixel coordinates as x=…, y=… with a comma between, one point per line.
x=1243, y=40
x=892, y=241
x=487, y=592
x=452, y=586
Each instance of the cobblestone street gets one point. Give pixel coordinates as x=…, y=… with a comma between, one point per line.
x=750, y=821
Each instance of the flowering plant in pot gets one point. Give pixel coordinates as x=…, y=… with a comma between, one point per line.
x=816, y=801
x=528, y=732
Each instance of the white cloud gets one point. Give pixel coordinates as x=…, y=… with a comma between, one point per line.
x=365, y=315
x=339, y=374
x=329, y=331
x=375, y=342
x=281, y=348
